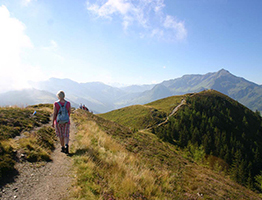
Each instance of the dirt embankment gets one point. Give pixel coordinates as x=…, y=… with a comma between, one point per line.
x=41, y=181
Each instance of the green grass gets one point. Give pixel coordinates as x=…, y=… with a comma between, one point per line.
x=14, y=120
x=167, y=104
x=50, y=106
x=136, y=117
x=7, y=161
x=144, y=116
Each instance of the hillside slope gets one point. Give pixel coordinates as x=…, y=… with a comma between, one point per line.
x=145, y=116
x=229, y=133
x=114, y=162
x=224, y=129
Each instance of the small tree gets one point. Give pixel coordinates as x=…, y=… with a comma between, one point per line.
x=258, y=180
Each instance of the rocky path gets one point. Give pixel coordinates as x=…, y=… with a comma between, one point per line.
x=42, y=181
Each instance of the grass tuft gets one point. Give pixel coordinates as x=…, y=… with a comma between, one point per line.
x=38, y=147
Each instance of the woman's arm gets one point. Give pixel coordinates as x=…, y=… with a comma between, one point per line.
x=69, y=109
x=54, y=116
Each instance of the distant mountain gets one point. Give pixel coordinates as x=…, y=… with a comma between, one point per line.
x=26, y=97
x=97, y=96
x=137, y=88
x=157, y=92
x=101, y=98
x=246, y=92
x=222, y=81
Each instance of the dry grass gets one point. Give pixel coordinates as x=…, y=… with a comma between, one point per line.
x=106, y=168
x=37, y=146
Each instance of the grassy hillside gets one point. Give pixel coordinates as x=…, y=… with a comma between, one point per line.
x=144, y=116
x=24, y=136
x=212, y=128
x=137, y=116
x=13, y=120
x=113, y=162
x=224, y=129
x=168, y=104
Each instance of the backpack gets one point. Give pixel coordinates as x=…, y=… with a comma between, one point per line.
x=62, y=116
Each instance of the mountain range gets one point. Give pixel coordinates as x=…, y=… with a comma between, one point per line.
x=101, y=98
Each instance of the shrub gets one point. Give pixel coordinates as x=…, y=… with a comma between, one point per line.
x=6, y=159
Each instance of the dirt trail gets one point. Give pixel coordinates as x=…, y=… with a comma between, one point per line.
x=43, y=181
x=183, y=102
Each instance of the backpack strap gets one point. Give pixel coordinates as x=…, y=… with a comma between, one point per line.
x=60, y=104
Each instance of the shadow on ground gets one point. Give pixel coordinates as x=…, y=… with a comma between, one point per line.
x=8, y=178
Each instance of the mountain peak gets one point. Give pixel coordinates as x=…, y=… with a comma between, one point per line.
x=223, y=72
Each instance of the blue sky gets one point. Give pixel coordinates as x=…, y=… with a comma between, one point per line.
x=127, y=41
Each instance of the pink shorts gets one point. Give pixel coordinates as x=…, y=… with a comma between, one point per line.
x=62, y=130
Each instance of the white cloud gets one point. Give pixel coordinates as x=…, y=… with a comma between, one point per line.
x=147, y=15
x=159, y=6
x=178, y=27
x=53, y=46
x=25, y=2
x=13, y=73
x=110, y=7
x=157, y=33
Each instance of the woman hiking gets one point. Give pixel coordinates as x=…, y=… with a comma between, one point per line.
x=61, y=120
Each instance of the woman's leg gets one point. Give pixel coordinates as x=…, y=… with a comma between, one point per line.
x=66, y=140
x=61, y=138
x=62, y=141
x=66, y=137
x=59, y=134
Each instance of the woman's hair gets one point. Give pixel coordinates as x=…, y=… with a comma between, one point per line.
x=60, y=94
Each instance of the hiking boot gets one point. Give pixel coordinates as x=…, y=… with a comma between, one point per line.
x=63, y=149
x=66, y=149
